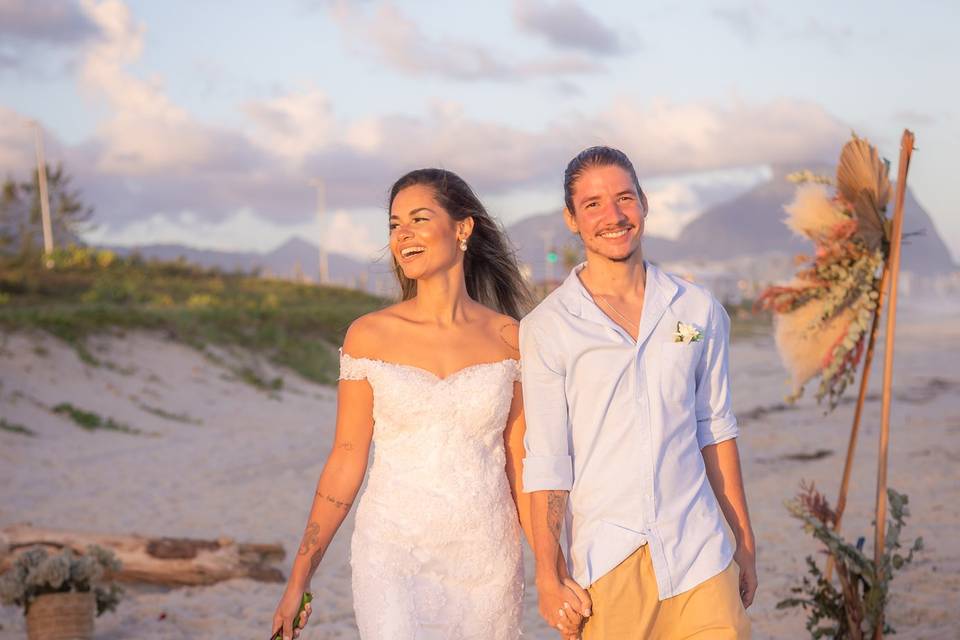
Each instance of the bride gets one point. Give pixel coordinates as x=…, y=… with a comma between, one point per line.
x=434, y=382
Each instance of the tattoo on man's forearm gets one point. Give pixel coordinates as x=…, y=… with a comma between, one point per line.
x=346, y=446
x=339, y=504
x=556, y=505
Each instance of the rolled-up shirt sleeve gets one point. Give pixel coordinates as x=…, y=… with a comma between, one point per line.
x=548, y=464
x=715, y=419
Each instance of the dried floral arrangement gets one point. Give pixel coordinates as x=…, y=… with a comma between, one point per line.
x=856, y=609
x=823, y=316
x=36, y=572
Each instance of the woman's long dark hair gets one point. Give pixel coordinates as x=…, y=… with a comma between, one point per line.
x=489, y=263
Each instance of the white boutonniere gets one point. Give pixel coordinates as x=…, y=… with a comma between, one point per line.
x=687, y=333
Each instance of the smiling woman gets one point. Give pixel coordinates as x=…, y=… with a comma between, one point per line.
x=434, y=215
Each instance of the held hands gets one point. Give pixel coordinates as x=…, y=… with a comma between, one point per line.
x=563, y=605
x=292, y=614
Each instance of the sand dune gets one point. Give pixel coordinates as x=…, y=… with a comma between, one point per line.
x=217, y=456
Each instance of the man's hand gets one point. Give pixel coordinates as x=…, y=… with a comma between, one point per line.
x=746, y=559
x=562, y=605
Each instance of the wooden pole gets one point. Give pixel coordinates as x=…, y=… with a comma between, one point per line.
x=44, y=197
x=879, y=542
x=858, y=414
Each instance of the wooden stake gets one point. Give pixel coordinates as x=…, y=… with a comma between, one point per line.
x=858, y=413
x=879, y=542
x=44, y=197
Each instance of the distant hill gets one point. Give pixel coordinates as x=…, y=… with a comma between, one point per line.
x=294, y=256
x=752, y=224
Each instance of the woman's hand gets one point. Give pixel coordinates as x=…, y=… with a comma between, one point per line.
x=286, y=622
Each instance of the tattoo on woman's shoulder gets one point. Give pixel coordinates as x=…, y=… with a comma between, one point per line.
x=508, y=332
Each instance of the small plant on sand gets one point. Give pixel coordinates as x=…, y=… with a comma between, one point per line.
x=853, y=611
x=90, y=420
x=35, y=573
x=14, y=427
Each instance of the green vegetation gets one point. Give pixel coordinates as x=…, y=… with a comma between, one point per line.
x=91, y=421
x=855, y=611
x=88, y=292
x=167, y=415
x=13, y=427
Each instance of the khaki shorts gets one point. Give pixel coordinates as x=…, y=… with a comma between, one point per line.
x=627, y=606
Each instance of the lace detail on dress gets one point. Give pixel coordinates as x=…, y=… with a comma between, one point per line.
x=517, y=369
x=436, y=545
x=352, y=368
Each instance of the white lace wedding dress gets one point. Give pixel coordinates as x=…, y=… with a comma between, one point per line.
x=436, y=545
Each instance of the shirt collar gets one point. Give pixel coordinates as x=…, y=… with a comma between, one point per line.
x=659, y=292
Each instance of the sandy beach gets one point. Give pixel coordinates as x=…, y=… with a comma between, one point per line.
x=241, y=462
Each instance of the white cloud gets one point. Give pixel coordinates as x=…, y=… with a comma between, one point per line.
x=16, y=141
x=345, y=234
x=672, y=206
x=292, y=125
x=243, y=230
x=146, y=132
x=398, y=42
x=566, y=24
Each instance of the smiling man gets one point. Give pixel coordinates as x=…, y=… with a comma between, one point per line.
x=631, y=451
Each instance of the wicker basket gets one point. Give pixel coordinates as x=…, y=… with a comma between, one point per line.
x=61, y=616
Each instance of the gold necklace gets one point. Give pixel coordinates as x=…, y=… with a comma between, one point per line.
x=628, y=321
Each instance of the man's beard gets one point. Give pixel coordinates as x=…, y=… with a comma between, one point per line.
x=627, y=257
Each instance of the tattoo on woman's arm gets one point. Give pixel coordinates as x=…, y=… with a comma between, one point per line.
x=339, y=504
x=311, y=546
x=311, y=538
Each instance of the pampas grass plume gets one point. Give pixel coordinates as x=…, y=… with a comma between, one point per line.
x=812, y=213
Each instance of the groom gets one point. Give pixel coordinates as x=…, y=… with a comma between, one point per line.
x=631, y=443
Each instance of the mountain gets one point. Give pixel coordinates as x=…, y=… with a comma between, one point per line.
x=294, y=257
x=752, y=224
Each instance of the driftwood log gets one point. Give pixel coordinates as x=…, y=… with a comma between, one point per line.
x=163, y=561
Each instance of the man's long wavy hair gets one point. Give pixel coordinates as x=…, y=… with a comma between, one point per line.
x=489, y=263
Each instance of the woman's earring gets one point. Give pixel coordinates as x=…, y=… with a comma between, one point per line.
x=463, y=244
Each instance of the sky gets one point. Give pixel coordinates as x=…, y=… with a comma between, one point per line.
x=209, y=123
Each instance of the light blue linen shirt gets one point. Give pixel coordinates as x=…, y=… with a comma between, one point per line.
x=620, y=424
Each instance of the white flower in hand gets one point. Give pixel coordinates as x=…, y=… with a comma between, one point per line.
x=687, y=333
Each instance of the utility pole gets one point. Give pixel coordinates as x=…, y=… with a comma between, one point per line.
x=44, y=197
x=324, y=266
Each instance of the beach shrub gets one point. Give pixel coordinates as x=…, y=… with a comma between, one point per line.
x=36, y=572
x=90, y=420
x=855, y=610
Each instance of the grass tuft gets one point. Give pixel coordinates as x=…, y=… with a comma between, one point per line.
x=14, y=427
x=91, y=421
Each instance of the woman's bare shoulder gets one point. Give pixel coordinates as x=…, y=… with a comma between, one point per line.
x=506, y=333
x=367, y=334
